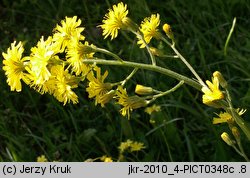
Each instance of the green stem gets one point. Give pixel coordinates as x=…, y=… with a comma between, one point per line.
x=167, y=92
x=184, y=61
x=129, y=77
x=104, y=51
x=140, y=36
x=150, y=67
x=242, y=151
x=236, y=116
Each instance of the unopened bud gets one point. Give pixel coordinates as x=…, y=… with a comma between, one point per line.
x=236, y=133
x=221, y=79
x=156, y=52
x=168, y=31
x=143, y=90
x=226, y=138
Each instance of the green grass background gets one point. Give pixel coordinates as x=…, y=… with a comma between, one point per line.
x=31, y=124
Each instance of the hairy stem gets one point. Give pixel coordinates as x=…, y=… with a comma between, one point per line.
x=150, y=67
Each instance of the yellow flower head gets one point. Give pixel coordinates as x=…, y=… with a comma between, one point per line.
x=41, y=88
x=41, y=158
x=226, y=117
x=136, y=146
x=39, y=60
x=76, y=52
x=130, y=146
x=212, y=92
x=114, y=20
x=97, y=88
x=63, y=85
x=223, y=117
x=129, y=103
x=106, y=159
x=151, y=109
x=66, y=32
x=149, y=29
x=13, y=65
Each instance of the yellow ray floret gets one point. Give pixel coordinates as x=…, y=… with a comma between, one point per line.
x=40, y=56
x=226, y=117
x=75, y=55
x=63, y=85
x=130, y=146
x=97, y=88
x=212, y=93
x=66, y=32
x=154, y=108
x=129, y=102
x=13, y=65
x=149, y=29
x=114, y=20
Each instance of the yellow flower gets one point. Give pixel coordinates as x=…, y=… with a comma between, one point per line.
x=212, y=93
x=151, y=109
x=114, y=20
x=226, y=117
x=129, y=103
x=76, y=52
x=149, y=29
x=63, y=84
x=39, y=60
x=97, y=88
x=106, y=159
x=41, y=158
x=46, y=86
x=66, y=32
x=130, y=146
x=125, y=145
x=13, y=65
x=223, y=117
x=136, y=146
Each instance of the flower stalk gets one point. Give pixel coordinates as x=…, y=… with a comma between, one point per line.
x=150, y=67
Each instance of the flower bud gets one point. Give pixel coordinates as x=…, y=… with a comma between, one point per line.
x=221, y=79
x=156, y=52
x=236, y=133
x=226, y=138
x=143, y=90
x=168, y=31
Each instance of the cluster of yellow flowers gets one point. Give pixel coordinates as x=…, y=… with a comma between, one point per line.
x=58, y=63
x=215, y=97
x=54, y=65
